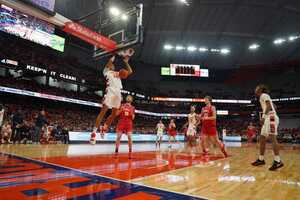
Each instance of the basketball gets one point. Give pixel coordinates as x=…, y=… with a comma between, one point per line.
x=127, y=53
x=123, y=74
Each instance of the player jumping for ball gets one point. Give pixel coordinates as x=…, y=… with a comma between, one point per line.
x=125, y=124
x=208, y=118
x=113, y=97
x=269, y=122
x=160, y=128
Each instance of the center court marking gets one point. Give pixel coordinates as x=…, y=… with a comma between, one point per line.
x=163, y=191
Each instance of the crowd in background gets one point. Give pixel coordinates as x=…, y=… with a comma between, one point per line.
x=81, y=118
x=36, y=122
x=24, y=124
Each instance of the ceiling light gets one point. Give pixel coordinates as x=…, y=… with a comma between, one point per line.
x=179, y=48
x=254, y=46
x=124, y=17
x=279, y=41
x=214, y=50
x=114, y=11
x=168, y=47
x=191, y=48
x=292, y=38
x=203, y=49
x=225, y=51
x=185, y=2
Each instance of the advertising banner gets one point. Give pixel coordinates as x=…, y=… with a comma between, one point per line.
x=111, y=137
x=90, y=36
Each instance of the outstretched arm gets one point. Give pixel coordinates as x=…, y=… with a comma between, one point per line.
x=110, y=62
x=128, y=67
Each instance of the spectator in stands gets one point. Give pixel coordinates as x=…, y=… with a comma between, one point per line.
x=1, y=115
x=17, y=123
x=26, y=132
x=39, y=124
x=5, y=132
x=65, y=135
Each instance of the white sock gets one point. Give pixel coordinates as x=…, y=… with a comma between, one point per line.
x=94, y=130
x=277, y=158
x=261, y=157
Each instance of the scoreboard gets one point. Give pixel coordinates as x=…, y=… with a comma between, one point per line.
x=184, y=70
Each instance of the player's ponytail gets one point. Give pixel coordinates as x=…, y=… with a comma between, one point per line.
x=264, y=88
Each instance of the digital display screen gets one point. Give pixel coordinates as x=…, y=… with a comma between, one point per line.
x=165, y=71
x=29, y=28
x=184, y=70
x=47, y=4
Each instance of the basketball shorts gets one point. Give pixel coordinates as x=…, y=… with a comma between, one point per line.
x=112, y=99
x=159, y=133
x=270, y=125
x=172, y=133
x=209, y=130
x=250, y=134
x=191, y=131
x=124, y=128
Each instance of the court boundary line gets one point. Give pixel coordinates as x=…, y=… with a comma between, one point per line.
x=93, y=174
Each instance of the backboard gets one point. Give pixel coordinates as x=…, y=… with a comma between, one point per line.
x=125, y=28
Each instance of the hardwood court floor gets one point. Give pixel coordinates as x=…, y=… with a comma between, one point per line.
x=177, y=171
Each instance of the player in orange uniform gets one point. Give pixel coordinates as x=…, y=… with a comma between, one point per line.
x=125, y=124
x=250, y=132
x=172, y=132
x=208, y=118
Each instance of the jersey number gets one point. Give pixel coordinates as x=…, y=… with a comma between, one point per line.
x=126, y=113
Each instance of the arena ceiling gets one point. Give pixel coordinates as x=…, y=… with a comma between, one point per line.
x=232, y=24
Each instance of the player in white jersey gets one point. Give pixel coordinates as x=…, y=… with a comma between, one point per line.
x=112, y=98
x=269, y=122
x=192, y=123
x=160, y=128
x=192, y=128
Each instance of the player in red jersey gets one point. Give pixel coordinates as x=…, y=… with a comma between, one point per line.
x=251, y=132
x=172, y=132
x=125, y=124
x=208, y=118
